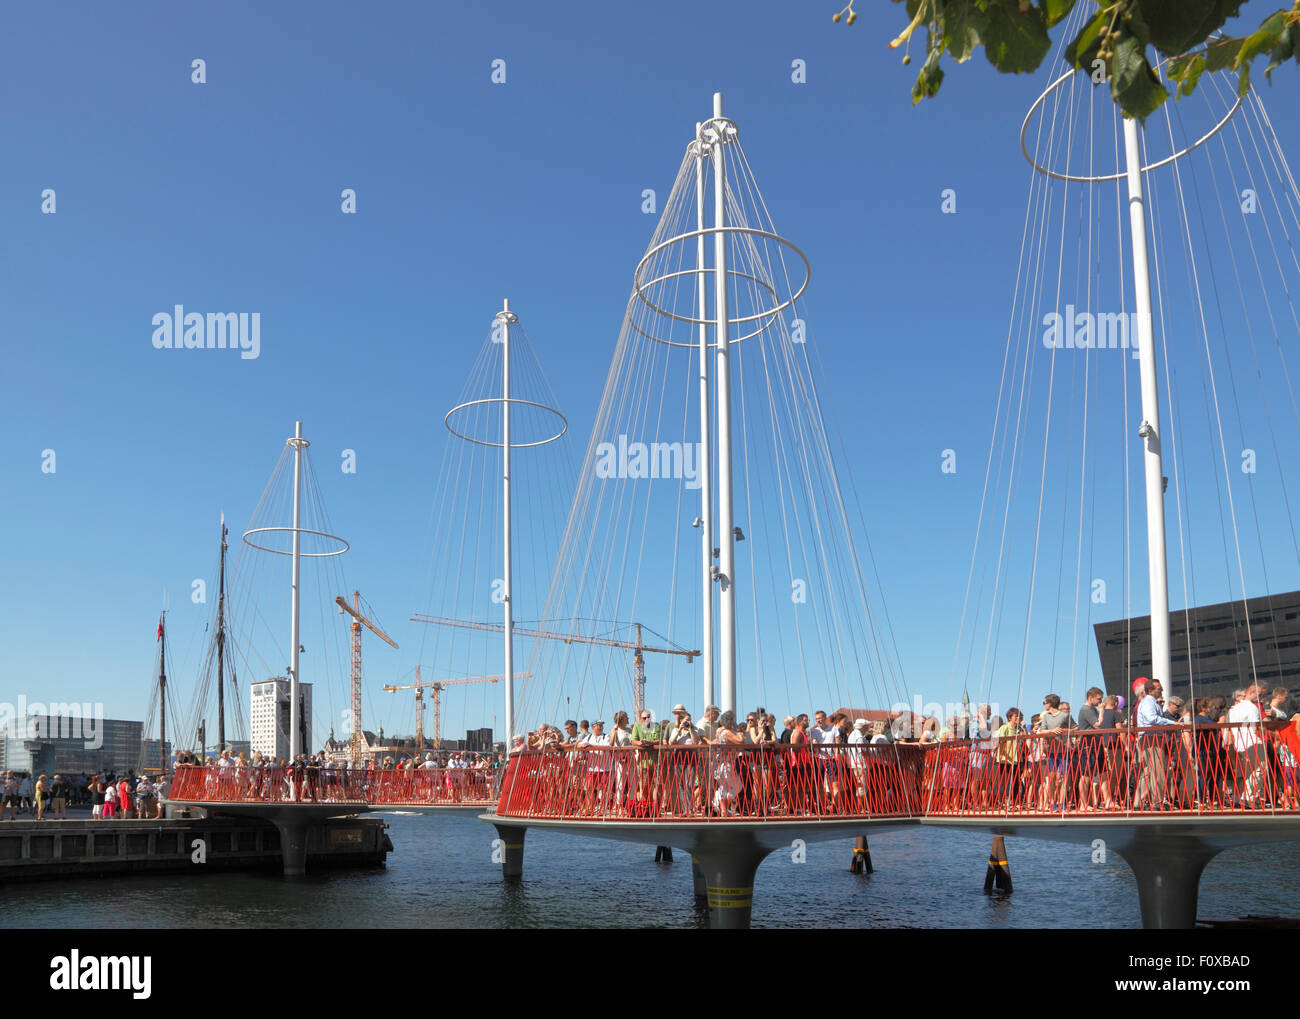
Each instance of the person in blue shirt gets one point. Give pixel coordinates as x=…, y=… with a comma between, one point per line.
x=1153, y=748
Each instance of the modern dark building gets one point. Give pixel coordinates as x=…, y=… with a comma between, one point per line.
x=478, y=739
x=1220, y=648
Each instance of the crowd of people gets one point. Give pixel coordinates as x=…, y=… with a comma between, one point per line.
x=1159, y=754
x=109, y=795
x=437, y=776
x=650, y=768
x=1111, y=756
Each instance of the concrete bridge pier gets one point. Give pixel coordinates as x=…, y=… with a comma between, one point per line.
x=1168, y=879
x=728, y=871
x=512, y=859
x=293, y=847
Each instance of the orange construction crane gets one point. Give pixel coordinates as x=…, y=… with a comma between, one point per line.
x=638, y=662
x=437, y=686
x=356, y=743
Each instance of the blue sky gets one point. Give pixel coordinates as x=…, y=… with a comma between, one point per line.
x=225, y=196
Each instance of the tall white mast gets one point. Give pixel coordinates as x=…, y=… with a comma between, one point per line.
x=295, y=723
x=726, y=518
x=1157, y=568
x=705, y=458
x=505, y=317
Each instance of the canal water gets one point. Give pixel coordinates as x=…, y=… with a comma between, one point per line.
x=442, y=875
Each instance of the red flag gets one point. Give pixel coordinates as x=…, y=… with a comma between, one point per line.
x=159, y=628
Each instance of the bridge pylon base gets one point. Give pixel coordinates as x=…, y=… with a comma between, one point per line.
x=512, y=858
x=293, y=848
x=1168, y=879
x=729, y=871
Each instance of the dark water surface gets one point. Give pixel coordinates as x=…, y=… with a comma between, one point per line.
x=442, y=875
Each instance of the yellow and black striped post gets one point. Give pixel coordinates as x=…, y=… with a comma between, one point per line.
x=861, y=857
x=999, y=871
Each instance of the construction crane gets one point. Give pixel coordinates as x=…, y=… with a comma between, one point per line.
x=437, y=686
x=637, y=646
x=356, y=743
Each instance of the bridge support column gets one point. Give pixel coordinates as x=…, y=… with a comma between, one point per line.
x=729, y=879
x=293, y=848
x=701, y=884
x=1168, y=880
x=861, y=857
x=512, y=858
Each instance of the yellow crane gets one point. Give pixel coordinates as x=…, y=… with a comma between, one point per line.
x=356, y=743
x=637, y=646
x=437, y=686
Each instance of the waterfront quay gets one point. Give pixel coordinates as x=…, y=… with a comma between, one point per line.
x=34, y=850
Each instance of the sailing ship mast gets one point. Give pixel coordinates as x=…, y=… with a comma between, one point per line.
x=221, y=641
x=162, y=690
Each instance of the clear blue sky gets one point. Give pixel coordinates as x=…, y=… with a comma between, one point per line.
x=226, y=196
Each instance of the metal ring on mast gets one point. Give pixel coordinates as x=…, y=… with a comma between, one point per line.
x=1077, y=178
x=770, y=316
x=640, y=285
x=300, y=530
x=512, y=400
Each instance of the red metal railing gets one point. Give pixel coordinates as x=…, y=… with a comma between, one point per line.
x=1173, y=769
x=1222, y=769
x=715, y=783
x=418, y=787
x=1213, y=769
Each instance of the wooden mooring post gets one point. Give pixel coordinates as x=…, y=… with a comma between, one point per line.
x=999, y=872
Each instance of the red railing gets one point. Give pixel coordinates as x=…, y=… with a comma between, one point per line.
x=419, y=787
x=715, y=783
x=1212, y=769
x=1222, y=769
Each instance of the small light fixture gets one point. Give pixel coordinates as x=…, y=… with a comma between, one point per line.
x=740, y=535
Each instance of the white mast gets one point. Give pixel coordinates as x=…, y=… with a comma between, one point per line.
x=726, y=519
x=505, y=318
x=705, y=458
x=1157, y=568
x=295, y=723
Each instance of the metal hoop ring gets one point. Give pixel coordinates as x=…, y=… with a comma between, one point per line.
x=771, y=316
x=501, y=399
x=299, y=530
x=1024, y=128
x=639, y=286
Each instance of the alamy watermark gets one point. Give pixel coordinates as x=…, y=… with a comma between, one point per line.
x=57, y=720
x=1087, y=330
x=624, y=459
x=181, y=330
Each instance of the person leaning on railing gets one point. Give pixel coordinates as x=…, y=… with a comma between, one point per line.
x=682, y=767
x=647, y=736
x=1007, y=754
x=726, y=778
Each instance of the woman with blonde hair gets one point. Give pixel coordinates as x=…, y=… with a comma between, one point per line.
x=620, y=742
x=726, y=779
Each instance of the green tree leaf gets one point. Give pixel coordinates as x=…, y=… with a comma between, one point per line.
x=1057, y=10
x=1264, y=40
x=1014, y=42
x=1177, y=25
x=1133, y=84
x=1083, y=50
